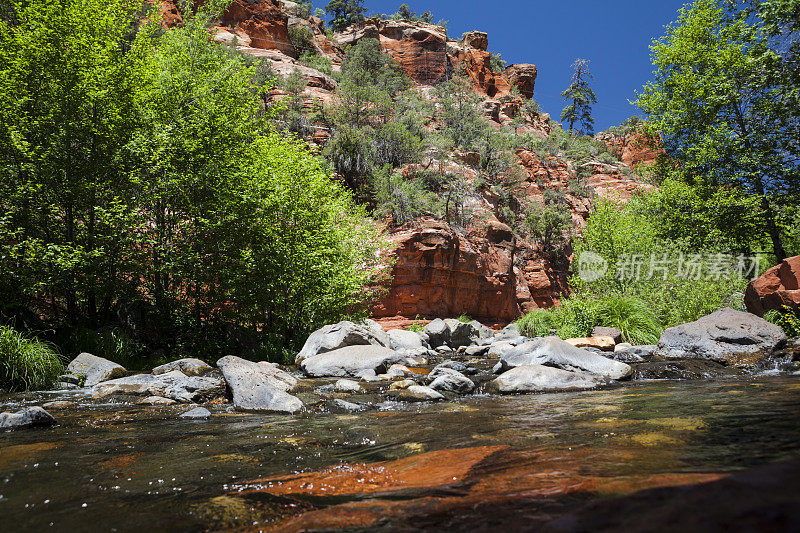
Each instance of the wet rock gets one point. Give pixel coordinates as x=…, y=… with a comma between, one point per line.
x=443, y=348
x=419, y=393
x=398, y=371
x=344, y=334
x=553, y=351
x=725, y=336
x=338, y=405
x=402, y=385
x=614, y=333
x=70, y=379
x=189, y=367
x=458, y=366
x=351, y=361
x=634, y=354
x=626, y=356
x=440, y=371
x=26, y=418
x=477, y=351
x=539, y=378
x=198, y=413
x=174, y=385
x=687, y=369
x=95, y=369
x=156, y=400
x=403, y=340
x=257, y=387
x=453, y=382
x=346, y=385
x=368, y=375
x=59, y=404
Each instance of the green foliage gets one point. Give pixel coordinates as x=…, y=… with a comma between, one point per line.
x=464, y=318
x=111, y=342
x=580, y=97
x=787, y=319
x=27, y=364
x=575, y=316
x=550, y=227
x=628, y=237
x=417, y=326
x=344, y=13
x=725, y=102
x=632, y=316
x=141, y=174
x=459, y=111
x=320, y=63
x=302, y=39
x=403, y=199
x=536, y=323
x=496, y=62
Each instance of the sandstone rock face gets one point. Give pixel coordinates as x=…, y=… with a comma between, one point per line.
x=777, y=287
x=538, y=378
x=477, y=39
x=555, y=352
x=258, y=387
x=523, y=77
x=726, y=336
x=351, y=361
x=632, y=149
x=419, y=48
x=95, y=369
x=345, y=333
x=26, y=418
x=440, y=272
x=605, y=344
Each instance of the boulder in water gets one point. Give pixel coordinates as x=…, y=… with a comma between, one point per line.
x=539, y=378
x=94, y=369
x=257, y=387
x=351, y=361
x=26, y=418
x=345, y=333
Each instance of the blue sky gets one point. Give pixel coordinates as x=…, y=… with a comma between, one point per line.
x=614, y=35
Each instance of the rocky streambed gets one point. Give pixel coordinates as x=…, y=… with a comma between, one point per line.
x=454, y=428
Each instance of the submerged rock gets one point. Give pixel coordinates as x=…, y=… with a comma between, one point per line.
x=555, y=352
x=198, y=413
x=346, y=385
x=156, y=400
x=686, y=369
x=343, y=334
x=351, y=361
x=725, y=336
x=257, y=387
x=419, y=393
x=59, y=404
x=26, y=418
x=338, y=405
x=539, y=378
x=94, y=369
x=189, y=367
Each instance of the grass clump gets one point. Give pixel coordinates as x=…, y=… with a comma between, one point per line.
x=537, y=323
x=27, y=364
x=636, y=320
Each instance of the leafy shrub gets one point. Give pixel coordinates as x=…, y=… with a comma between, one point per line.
x=536, y=323
x=113, y=343
x=417, y=326
x=607, y=158
x=27, y=364
x=636, y=320
x=302, y=39
x=465, y=319
x=787, y=319
x=402, y=199
x=496, y=62
x=320, y=63
x=575, y=316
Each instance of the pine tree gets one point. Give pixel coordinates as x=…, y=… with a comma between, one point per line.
x=345, y=13
x=580, y=97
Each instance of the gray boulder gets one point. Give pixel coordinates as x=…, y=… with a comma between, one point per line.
x=553, y=351
x=438, y=333
x=189, y=367
x=156, y=400
x=351, y=361
x=26, y=418
x=198, y=413
x=259, y=387
x=404, y=340
x=453, y=382
x=95, y=369
x=539, y=378
x=335, y=336
x=440, y=371
x=419, y=393
x=173, y=385
x=455, y=365
x=725, y=336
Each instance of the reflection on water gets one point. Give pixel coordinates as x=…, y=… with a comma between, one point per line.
x=124, y=467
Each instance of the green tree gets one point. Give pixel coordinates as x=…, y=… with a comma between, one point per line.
x=580, y=97
x=344, y=13
x=725, y=101
x=459, y=111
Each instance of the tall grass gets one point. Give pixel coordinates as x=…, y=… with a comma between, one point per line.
x=636, y=320
x=27, y=364
x=578, y=315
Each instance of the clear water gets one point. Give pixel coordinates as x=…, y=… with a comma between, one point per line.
x=120, y=467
